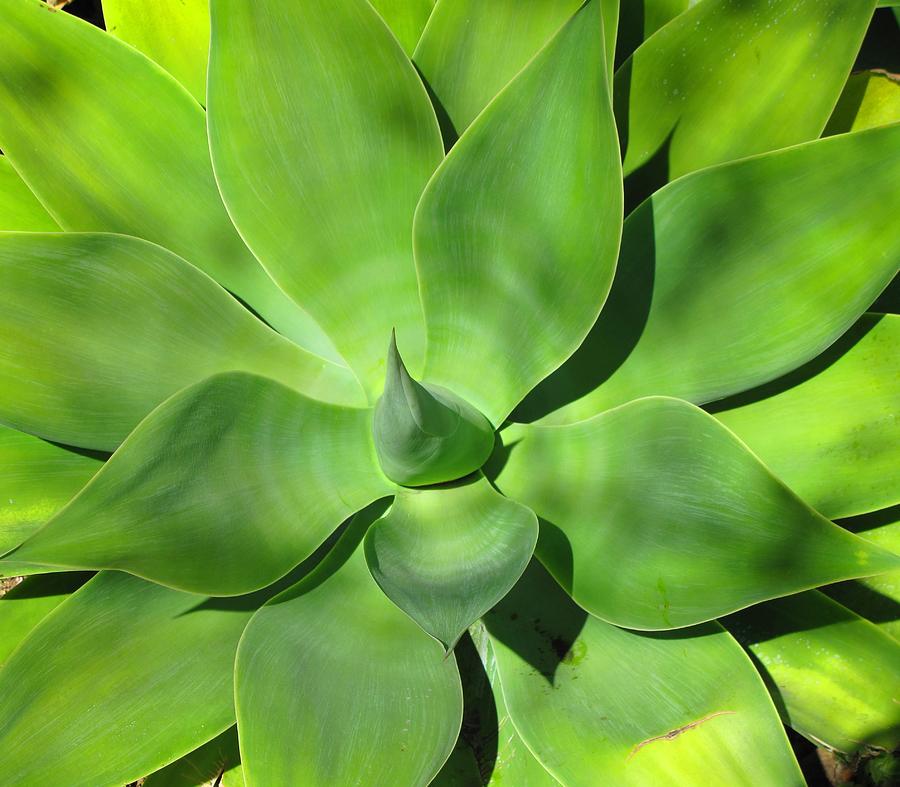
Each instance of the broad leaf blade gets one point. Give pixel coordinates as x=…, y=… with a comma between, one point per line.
x=446, y=555
x=471, y=49
x=683, y=95
x=174, y=33
x=223, y=489
x=336, y=685
x=36, y=479
x=145, y=670
x=217, y=762
x=735, y=275
x=406, y=18
x=29, y=602
x=640, y=19
x=323, y=138
x=129, y=324
x=19, y=208
x=833, y=673
x=655, y=516
x=875, y=598
x=516, y=234
x=588, y=698
x=870, y=99
x=829, y=429
x=111, y=143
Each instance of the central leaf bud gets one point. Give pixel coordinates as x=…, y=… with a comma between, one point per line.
x=425, y=434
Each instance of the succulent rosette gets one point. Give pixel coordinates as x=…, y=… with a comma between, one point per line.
x=456, y=392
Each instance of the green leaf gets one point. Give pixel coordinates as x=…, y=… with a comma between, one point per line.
x=223, y=489
x=99, y=329
x=36, y=479
x=682, y=98
x=19, y=208
x=29, y=602
x=781, y=253
x=471, y=49
x=425, y=434
x=588, y=698
x=875, y=598
x=218, y=762
x=323, y=138
x=640, y=19
x=460, y=770
x=109, y=142
x=335, y=685
x=517, y=233
x=445, y=556
x=833, y=675
x=655, y=516
x=406, y=18
x=870, y=99
x=118, y=680
x=829, y=429
x=174, y=33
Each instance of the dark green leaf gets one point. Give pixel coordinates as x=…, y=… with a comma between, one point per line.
x=655, y=516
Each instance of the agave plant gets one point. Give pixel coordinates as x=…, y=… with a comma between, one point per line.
x=303, y=354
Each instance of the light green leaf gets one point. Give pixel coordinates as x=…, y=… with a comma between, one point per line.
x=218, y=762
x=144, y=671
x=406, y=18
x=174, y=33
x=833, y=674
x=829, y=429
x=640, y=19
x=780, y=253
x=323, y=138
x=593, y=700
x=516, y=234
x=19, y=208
x=109, y=142
x=875, y=598
x=36, y=479
x=222, y=489
x=29, y=602
x=446, y=555
x=425, y=434
x=655, y=516
x=99, y=329
x=335, y=685
x=870, y=99
x=471, y=49
x=682, y=98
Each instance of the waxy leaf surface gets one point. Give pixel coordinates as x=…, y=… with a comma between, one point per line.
x=335, y=685
x=110, y=142
x=875, y=598
x=119, y=655
x=174, y=33
x=870, y=99
x=406, y=18
x=829, y=429
x=834, y=675
x=36, y=479
x=29, y=602
x=737, y=274
x=446, y=555
x=217, y=762
x=471, y=49
x=655, y=516
x=683, y=97
x=223, y=489
x=517, y=233
x=19, y=208
x=99, y=329
x=592, y=699
x=323, y=138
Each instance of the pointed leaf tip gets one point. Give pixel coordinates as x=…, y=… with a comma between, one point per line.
x=425, y=434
